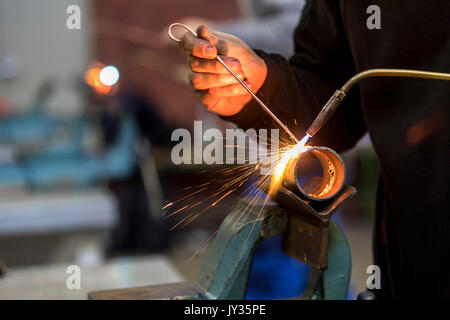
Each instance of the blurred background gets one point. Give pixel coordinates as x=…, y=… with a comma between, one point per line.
x=86, y=117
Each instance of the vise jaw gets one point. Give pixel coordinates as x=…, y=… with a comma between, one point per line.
x=306, y=237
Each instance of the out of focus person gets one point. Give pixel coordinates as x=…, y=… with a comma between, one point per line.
x=407, y=118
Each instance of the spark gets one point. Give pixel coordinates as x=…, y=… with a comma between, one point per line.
x=287, y=156
x=177, y=211
x=217, y=201
x=244, y=180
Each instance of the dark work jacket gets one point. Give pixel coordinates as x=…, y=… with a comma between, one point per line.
x=407, y=119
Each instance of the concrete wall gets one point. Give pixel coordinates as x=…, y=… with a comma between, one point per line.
x=35, y=32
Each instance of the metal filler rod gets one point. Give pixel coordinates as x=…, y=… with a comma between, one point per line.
x=338, y=96
x=265, y=108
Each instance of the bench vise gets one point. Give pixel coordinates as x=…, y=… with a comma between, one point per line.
x=300, y=212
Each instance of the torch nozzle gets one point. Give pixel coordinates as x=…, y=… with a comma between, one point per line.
x=326, y=112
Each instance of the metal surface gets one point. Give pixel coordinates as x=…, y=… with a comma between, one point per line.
x=332, y=283
x=265, y=108
x=307, y=235
x=338, y=96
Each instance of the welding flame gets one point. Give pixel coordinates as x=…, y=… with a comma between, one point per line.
x=288, y=155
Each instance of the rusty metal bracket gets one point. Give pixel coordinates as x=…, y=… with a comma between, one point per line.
x=306, y=238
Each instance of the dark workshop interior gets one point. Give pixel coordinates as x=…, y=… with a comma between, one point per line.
x=91, y=94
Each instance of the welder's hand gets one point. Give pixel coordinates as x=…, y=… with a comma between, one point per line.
x=213, y=85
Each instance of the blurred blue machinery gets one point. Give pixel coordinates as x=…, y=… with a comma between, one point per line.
x=50, y=151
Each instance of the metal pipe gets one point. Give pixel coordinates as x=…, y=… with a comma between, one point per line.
x=316, y=187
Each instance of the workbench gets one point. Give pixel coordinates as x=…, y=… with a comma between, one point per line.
x=49, y=281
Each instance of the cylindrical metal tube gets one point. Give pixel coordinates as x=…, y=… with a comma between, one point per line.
x=298, y=180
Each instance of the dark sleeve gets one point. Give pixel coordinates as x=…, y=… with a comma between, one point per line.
x=296, y=90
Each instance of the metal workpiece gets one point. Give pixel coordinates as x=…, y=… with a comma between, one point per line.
x=310, y=201
x=338, y=96
x=333, y=282
x=307, y=238
x=315, y=188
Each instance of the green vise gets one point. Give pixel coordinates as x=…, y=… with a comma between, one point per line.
x=308, y=234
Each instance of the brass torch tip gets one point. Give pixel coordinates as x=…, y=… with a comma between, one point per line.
x=326, y=112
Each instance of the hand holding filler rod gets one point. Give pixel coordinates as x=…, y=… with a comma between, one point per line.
x=336, y=99
x=266, y=109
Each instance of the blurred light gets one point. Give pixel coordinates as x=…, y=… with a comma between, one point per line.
x=426, y=127
x=109, y=75
x=92, y=78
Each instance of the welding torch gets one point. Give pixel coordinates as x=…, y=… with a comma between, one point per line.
x=338, y=96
